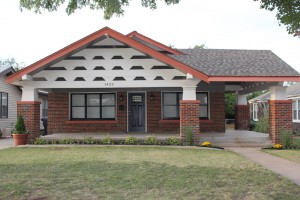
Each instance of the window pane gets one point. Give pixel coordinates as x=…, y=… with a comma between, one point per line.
x=78, y=112
x=180, y=96
x=170, y=99
x=78, y=100
x=170, y=112
x=4, y=99
x=202, y=97
x=93, y=100
x=108, y=112
x=108, y=99
x=4, y=106
x=93, y=112
x=295, y=115
x=203, y=111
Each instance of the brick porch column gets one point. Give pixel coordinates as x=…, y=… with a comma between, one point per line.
x=280, y=118
x=189, y=118
x=242, y=113
x=30, y=110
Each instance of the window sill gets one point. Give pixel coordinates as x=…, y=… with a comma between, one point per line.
x=92, y=122
x=166, y=121
x=296, y=121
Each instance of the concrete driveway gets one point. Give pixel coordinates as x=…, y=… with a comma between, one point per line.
x=6, y=143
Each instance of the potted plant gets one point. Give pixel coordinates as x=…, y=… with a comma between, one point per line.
x=20, y=134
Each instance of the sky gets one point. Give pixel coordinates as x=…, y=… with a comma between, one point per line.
x=219, y=24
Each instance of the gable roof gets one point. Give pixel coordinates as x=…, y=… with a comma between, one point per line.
x=6, y=70
x=104, y=32
x=293, y=90
x=261, y=98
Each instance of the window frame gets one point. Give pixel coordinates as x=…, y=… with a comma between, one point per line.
x=1, y=113
x=178, y=105
x=297, y=120
x=86, y=106
x=255, y=112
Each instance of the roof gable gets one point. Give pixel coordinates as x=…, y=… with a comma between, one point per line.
x=107, y=32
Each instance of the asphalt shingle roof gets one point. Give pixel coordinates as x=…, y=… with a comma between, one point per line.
x=223, y=62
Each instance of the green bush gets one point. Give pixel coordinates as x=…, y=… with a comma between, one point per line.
x=173, y=141
x=150, y=140
x=286, y=138
x=107, y=140
x=67, y=141
x=20, y=127
x=262, y=125
x=189, y=138
x=89, y=140
x=131, y=141
x=39, y=141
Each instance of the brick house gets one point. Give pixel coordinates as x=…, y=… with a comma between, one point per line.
x=110, y=82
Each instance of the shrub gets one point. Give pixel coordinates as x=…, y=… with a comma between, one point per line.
x=189, y=136
x=131, y=141
x=39, y=141
x=89, y=140
x=262, y=125
x=286, y=138
x=173, y=141
x=107, y=140
x=150, y=140
x=67, y=141
x=20, y=127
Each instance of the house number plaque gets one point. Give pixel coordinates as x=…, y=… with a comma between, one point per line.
x=108, y=84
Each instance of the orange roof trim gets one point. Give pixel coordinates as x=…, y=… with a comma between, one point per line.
x=253, y=78
x=118, y=36
x=153, y=42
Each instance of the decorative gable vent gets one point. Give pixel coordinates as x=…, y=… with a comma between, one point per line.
x=141, y=57
x=98, y=58
x=39, y=79
x=162, y=67
x=99, y=68
x=179, y=78
x=117, y=68
x=55, y=68
x=139, y=78
x=79, y=79
x=75, y=58
x=136, y=68
x=99, y=79
x=60, y=79
x=117, y=57
x=159, y=78
x=119, y=78
x=79, y=68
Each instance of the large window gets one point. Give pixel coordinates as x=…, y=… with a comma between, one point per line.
x=44, y=108
x=171, y=103
x=93, y=106
x=3, y=105
x=254, y=111
x=296, y=110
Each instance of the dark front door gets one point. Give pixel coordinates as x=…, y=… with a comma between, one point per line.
x=136, y=111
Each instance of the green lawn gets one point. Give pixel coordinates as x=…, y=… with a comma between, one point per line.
x=136, y=173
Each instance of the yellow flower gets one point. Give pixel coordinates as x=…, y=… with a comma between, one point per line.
x=206, y=144
x=277, y=146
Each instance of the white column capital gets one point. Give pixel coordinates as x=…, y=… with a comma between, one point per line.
x=189, y=92
x=29, y=94
x=278, y=93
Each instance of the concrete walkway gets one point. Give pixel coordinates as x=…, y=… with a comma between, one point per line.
x=285, y=168
x=6, y=143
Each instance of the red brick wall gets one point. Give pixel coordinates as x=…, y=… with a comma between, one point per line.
x=280, y=118
x=242, y=117
x=30, y=111
x=189, y=118
x=58, y=117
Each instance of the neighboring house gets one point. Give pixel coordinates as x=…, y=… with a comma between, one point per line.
x=110, y=82
x=9, y=95
x=259, y=106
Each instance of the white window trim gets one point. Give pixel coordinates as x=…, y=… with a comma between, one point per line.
x=255, y=111
x=297, y=120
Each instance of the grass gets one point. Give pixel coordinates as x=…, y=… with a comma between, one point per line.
x=136, y=173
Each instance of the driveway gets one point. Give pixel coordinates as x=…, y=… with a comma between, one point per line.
x=6, y=143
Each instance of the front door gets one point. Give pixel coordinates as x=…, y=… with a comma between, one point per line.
x=136, y=111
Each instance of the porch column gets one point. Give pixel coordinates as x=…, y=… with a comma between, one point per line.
x=29, y=108
x=189, y=113
x=242, y=113
x=280, y=113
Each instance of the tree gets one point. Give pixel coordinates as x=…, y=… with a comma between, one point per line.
x=230, y=101
x=109, y=7
x=11, y=62
x=201, y=46
x=288, y=13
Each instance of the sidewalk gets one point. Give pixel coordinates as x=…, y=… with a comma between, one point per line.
x=6, y=143
x=285, y=168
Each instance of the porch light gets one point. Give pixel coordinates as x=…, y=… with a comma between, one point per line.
x=121, y=98
x=151, y=97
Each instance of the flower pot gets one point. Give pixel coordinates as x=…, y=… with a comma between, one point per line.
x=20, y=139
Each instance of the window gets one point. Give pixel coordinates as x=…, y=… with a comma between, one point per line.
x=254, y=111
x=3, y=105
x=171, y=103
x=296, y=110
x=44, y=109
x=93, y=106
